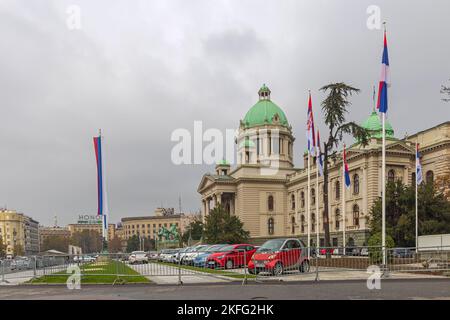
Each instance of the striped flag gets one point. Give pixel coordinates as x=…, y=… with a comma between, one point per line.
x=418, y=166
x=101, y=185
x=346, y=173
x=319, y=155
x=310, y=129
x=382, y=104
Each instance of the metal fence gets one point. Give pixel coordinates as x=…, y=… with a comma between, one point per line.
x=204, y=264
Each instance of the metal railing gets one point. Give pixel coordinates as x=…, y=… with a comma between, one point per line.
x=203, y=265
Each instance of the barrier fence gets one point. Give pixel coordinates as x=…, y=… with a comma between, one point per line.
x=218, y=263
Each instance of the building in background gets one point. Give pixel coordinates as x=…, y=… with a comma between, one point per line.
x=269, y=194
x=19, y=232
x=91, y=222
x=55, y=231
x=149, y=226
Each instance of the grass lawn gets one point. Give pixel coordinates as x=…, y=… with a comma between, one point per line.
x=230, y=273
x=95, y=273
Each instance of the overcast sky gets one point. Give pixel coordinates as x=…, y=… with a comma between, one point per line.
x=141, y=69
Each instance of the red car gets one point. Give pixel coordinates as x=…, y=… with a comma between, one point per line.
x=231, y=256
x=277, y=255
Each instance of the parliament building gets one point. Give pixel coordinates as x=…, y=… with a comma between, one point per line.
x=269, y=194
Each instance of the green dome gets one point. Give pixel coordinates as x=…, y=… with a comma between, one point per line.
x=247, y=144
x=265, y=111
x=374, y=126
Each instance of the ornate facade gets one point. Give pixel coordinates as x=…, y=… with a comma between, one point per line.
x=269, y=195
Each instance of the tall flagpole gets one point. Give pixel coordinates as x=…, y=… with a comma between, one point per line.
x=317, y=201
x=383, y=192
x=383, y=174
x=343, y=203
x=308, y=208
x=417, y=204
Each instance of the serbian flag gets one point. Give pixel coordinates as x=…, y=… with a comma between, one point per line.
x=418, y=166
x=310, y=129
x=101, y=186
x=382, y=104
x=346, y=172
x=319, y=155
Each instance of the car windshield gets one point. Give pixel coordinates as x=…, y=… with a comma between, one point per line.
x=226, y=248
x=271, y=245
x=215, y=247
x=203, y=249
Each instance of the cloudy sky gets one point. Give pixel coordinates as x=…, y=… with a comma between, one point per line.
x=141, y=69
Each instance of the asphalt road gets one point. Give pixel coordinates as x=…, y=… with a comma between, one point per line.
x=353, y=290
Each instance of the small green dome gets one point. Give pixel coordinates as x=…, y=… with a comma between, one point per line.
x=247, y=144
x=223, y=162
x=374, y=126
x=265, y=111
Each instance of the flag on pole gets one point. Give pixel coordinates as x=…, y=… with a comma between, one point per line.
x=310, y=129
x=319, y=155
x=346, y=172
x=418, y=166
x=382, y=104
x=102, y=209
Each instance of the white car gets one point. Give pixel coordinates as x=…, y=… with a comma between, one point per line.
x=138, y=257
x=85, y=259
x=191, y=254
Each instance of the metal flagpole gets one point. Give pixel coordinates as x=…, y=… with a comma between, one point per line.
x=383, y=192
x=417, y=205
x=343, y=203
x=317, y=202
x=308, y=208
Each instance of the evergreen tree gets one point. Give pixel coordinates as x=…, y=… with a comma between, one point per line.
x=221, y=227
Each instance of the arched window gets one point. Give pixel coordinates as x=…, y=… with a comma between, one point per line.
x=337, y=217
x=270, y=203
x=293, y=201
x=302, y=196
x=391, y=175
x=313, y=221
x=356, y=215
x=313, y=196
x=270, y=226
x=293, y=225
x=338, y=189
x=356, y=184
x=303, y=223
x=430, y=176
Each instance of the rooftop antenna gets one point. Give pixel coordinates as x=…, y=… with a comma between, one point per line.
x=179, y=204
x=56, y=221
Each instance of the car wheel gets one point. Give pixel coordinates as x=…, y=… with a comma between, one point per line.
x=304, y=267
x=229, y=264
x=278, y=269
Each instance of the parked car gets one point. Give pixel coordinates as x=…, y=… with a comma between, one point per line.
x=200, y=260
x=152, y=255
x=324, y=251
x=231, y=256
x=364, y=252
x=192, y=253
x=278, y=255
x=137, y=257
x=402, y=253
x=84, y=259
x=20, y=263
x=181, y=254
x=172, y=256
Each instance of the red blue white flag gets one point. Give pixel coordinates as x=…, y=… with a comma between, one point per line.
x=418, y=166
x=310, y=129
x=101, y=186
x=382, y=104
x=346, y=172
